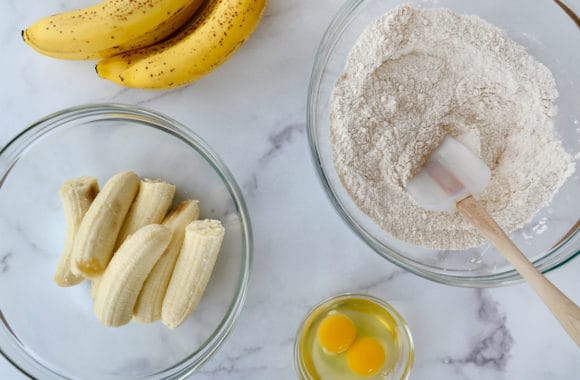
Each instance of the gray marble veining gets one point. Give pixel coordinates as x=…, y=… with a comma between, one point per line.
x=493, y=349
x=279, y=139
x=5, y=262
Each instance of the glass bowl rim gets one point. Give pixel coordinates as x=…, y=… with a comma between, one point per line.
x=399, y=319
x=545, y=264
x=13, y=150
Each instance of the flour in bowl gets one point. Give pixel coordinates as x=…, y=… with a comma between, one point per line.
x=417, y=75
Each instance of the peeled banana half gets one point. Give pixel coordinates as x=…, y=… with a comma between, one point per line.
x=76, y=195
x=149, y=207
x=97, y=233
x=122, y=280
x=108, y=28
x=148, y=306
x=218, y=29
x=193, y=269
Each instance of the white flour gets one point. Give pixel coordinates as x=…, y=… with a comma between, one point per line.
x=415, y=76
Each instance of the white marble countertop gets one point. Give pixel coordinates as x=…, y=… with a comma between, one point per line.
x=252, y=112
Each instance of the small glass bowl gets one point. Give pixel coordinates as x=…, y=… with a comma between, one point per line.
x=51, y=333
x=548, y=29
x=405, y=350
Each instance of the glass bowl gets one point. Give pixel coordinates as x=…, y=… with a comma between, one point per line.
x=51, y=333
x=549, y=31
x=402, y=356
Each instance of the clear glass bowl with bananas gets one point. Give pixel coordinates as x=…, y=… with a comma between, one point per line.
x=52, y=332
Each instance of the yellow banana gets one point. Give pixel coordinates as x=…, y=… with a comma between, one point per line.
x=98, y=231
x=209, y=39
x=150, y=207
x=148, y=306
x=203, y=240
x=121, y=282
x=76, y=195
x=108, y=28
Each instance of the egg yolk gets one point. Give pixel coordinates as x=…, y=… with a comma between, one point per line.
x=365, y=357
x=336, y=333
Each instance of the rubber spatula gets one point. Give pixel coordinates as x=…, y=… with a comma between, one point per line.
x=451, y=180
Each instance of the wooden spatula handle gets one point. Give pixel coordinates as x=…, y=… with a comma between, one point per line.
x=566, y=311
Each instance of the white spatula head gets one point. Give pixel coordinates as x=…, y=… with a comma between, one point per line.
x=452, y=173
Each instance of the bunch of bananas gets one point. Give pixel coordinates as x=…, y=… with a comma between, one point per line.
x=154, y=44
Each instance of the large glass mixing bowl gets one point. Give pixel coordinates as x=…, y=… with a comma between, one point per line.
x=51, y=333
x=550, y=32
